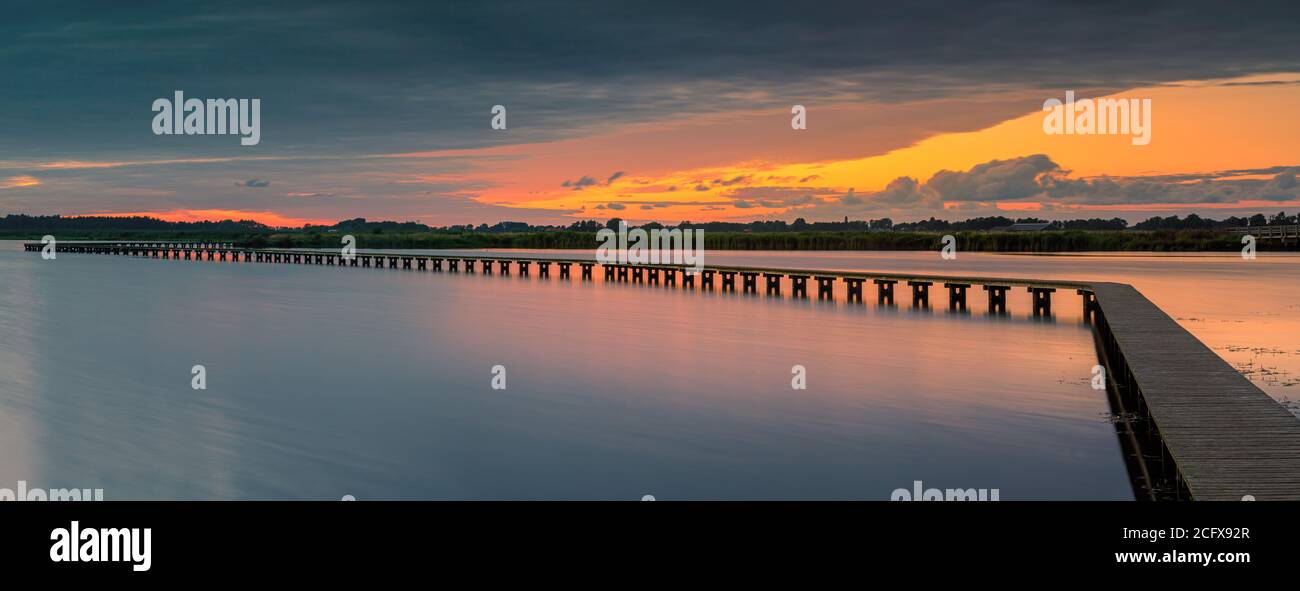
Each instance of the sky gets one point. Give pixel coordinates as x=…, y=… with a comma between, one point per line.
x=647, y=111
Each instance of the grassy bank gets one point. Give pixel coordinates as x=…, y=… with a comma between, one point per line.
x=1048, y=241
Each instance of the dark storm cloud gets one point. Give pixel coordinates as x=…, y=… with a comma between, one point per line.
x=396, y=76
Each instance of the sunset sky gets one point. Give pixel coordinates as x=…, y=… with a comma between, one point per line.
x=914, y=109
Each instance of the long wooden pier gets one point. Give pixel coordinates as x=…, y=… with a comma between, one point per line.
x=1217, y=434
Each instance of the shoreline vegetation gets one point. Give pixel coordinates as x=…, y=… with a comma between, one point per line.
x=995, y=234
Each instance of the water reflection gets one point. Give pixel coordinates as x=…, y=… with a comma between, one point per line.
x=324, y=382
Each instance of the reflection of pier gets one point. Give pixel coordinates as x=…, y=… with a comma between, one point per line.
x=1191, y=419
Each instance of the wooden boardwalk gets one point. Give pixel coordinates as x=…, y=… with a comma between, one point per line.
x=1221, y=437
x=1227, y=437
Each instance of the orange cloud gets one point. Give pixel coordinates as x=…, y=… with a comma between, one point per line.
x=269, y=218
x=19, y=182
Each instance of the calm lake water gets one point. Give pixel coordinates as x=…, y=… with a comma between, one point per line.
x=324, y=382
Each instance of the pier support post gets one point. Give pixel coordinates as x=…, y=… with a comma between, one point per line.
x=884, y=291
x=1089, y=303
x=437, y=264
x=523, y=267
x=564, y=270
x=773, y=283
x=505, y=267
x=825, y=287
x=920, y=293
x=854, y=287
x=670, y=277
x=688, y=279
x=799, y=286
x=609, y=272
x=422, y=264
x=453, y=265
x=586, y=270
x=728, y=280
x=543, y=269
x=406, y=263
x=706, y=279
x=997, y=297
x=957, y=295
x=622, y=272
x=749, y=281
x=652, y=274
x=638, y=274
x=392, y=263
x=1042, y=297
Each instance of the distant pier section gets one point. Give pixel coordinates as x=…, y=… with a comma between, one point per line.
x=1218, y=435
